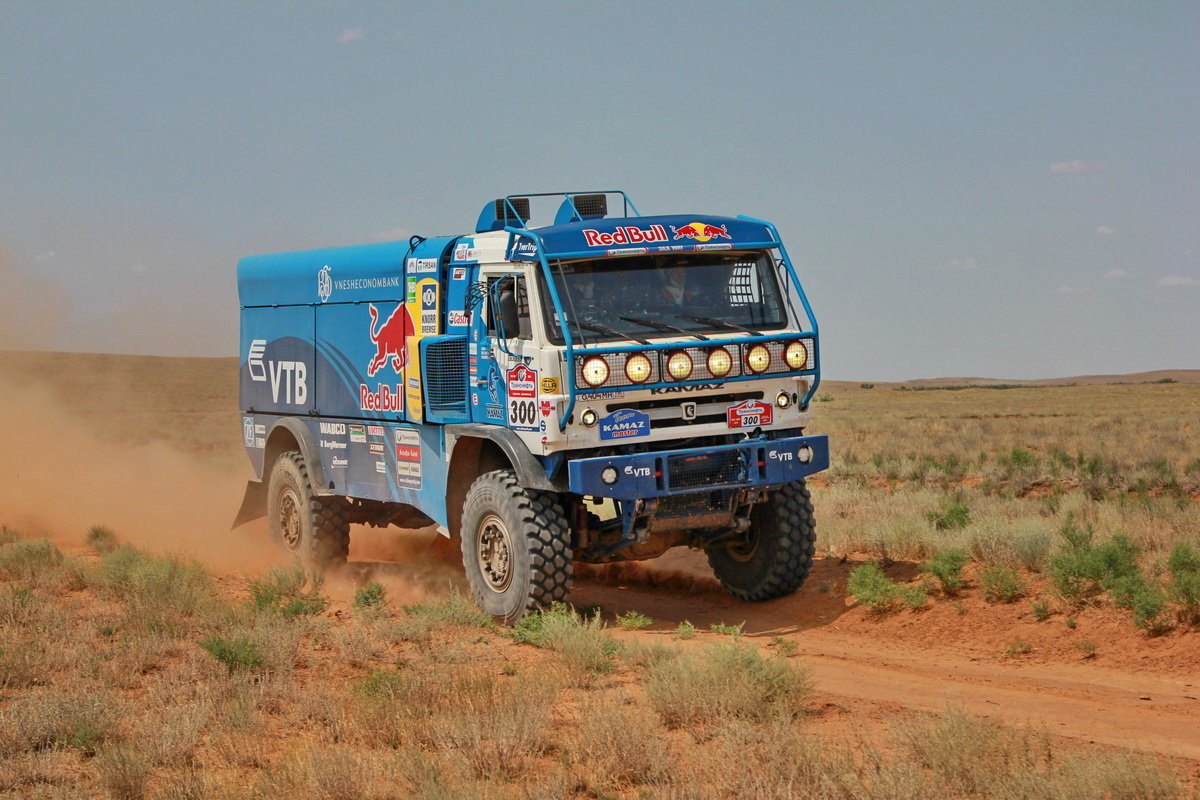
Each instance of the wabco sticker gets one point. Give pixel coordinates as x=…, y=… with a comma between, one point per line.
x=626, y=234
x=625, y=423
x=749, y=414
x=358, y=434
x=522, y=385
x=422, y=265
x=408, y=458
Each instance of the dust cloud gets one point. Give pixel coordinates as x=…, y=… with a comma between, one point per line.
x=61, y=477
x=33, y=308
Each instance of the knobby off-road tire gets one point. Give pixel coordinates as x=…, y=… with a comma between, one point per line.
x=778, y=551
x=516, y=547
x=314, y=529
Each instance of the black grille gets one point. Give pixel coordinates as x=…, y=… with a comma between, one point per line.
x=445, y=376
x=707, y=469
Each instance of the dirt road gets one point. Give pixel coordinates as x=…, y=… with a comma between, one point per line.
x=860, y=660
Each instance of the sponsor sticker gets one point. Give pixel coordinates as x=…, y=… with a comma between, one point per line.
x=422, y=265
x=337, y=462
x=749, y=414
x=333, y=428
x=324, y=283
x=459, y=273
x=625, y=423
x=460, y=318
x=464, y=251
x=408, y=458
x=248, y=431
x=522, y=383
x=358, y=434
x=385, y=398
x=377, y=448
x=549, y=385
x=376, y=431
x=428, y=291
x=381, y=467
x=626, y=234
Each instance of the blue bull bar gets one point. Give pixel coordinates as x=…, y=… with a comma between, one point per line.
x=750, y=463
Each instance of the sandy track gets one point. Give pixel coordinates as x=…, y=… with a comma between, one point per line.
x=860, y=662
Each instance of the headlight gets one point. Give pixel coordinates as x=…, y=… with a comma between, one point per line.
x=796, y=355
x=588, y=417
x=679, y=365
x=758, y=359
x=609, y=475
x=637, y=368
x=720, y=363
x=595, y=371
x=783, y=400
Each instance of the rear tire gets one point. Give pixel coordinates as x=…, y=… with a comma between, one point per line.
x=778, y=551
x=314, y=529
x=516, y=547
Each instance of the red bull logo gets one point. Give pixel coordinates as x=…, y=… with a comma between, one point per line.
x=701, y=232
x=391, y=340
x=625, y=235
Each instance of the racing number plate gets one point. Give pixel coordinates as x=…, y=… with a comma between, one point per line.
x=750, y=414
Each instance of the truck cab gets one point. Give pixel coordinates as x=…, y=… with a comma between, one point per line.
x=600, y=388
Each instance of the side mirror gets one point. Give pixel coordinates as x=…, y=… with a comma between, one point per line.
x=508, y=322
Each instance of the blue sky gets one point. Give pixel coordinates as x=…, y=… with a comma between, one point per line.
x=994, y=189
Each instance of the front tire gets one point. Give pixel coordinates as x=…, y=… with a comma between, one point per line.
x=516, y=547
x=777, y=553
x=314, y=529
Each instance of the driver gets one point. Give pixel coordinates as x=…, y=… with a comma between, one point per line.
x=674, y=289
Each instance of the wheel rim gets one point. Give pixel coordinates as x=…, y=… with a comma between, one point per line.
x=744, y=551
x=289, y=519
x=494, y=548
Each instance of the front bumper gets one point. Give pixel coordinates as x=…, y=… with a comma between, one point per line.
x=732, y=466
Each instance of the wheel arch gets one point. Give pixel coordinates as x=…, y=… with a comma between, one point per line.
x=474, y=449
x=290, y=433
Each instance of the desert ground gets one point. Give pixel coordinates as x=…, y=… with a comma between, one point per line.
x=1005, y=604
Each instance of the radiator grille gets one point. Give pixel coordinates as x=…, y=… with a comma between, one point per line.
x=445, y=376
x=694, y=471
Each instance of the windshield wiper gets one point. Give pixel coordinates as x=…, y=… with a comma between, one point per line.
x=662, y=326
x=720, y=323
x=608, y=331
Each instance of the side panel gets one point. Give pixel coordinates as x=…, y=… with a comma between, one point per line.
x=278, y=363
x=364, y=353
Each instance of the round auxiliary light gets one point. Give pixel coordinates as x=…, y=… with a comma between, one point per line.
x=796, y=355
x=589, y=418
x=679, y=365
x=609, y=475
x=595, y=371
x=720, y=363
x=637, y=368
x=805, y=455
x=783, y=400
x=758, y=358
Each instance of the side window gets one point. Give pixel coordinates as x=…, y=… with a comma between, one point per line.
x=514, y=286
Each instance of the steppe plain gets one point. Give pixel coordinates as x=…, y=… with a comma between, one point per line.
x=165, y=656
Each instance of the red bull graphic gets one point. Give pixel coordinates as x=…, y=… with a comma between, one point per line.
x=701, y=232
x=625, y=235
x=391, y=340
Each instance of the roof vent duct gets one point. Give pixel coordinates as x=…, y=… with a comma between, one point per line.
x=504, y=213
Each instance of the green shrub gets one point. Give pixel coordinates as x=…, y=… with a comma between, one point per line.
x=453, y=610
x=238, y=654
x=727, y=680
x=290, y=592
x=872, y=588
x=158, y=589
x=1031, y=549
x=685, y=630
x=370, y=597
x=29, y=560
x=583, y=642
x=1087, y=569
x=914, y=597
x=1041, y=610
x=102, y=540
x=634, y=620
x=8, y=535
x=950, y=516
x=1001, y=584
x=947, y=567
x=727, y=630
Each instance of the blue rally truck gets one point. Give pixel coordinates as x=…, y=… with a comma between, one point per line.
x=599, y=389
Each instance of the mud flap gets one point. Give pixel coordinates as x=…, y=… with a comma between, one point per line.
x=254, y=504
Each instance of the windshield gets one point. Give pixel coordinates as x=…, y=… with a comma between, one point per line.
x=644, y=297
